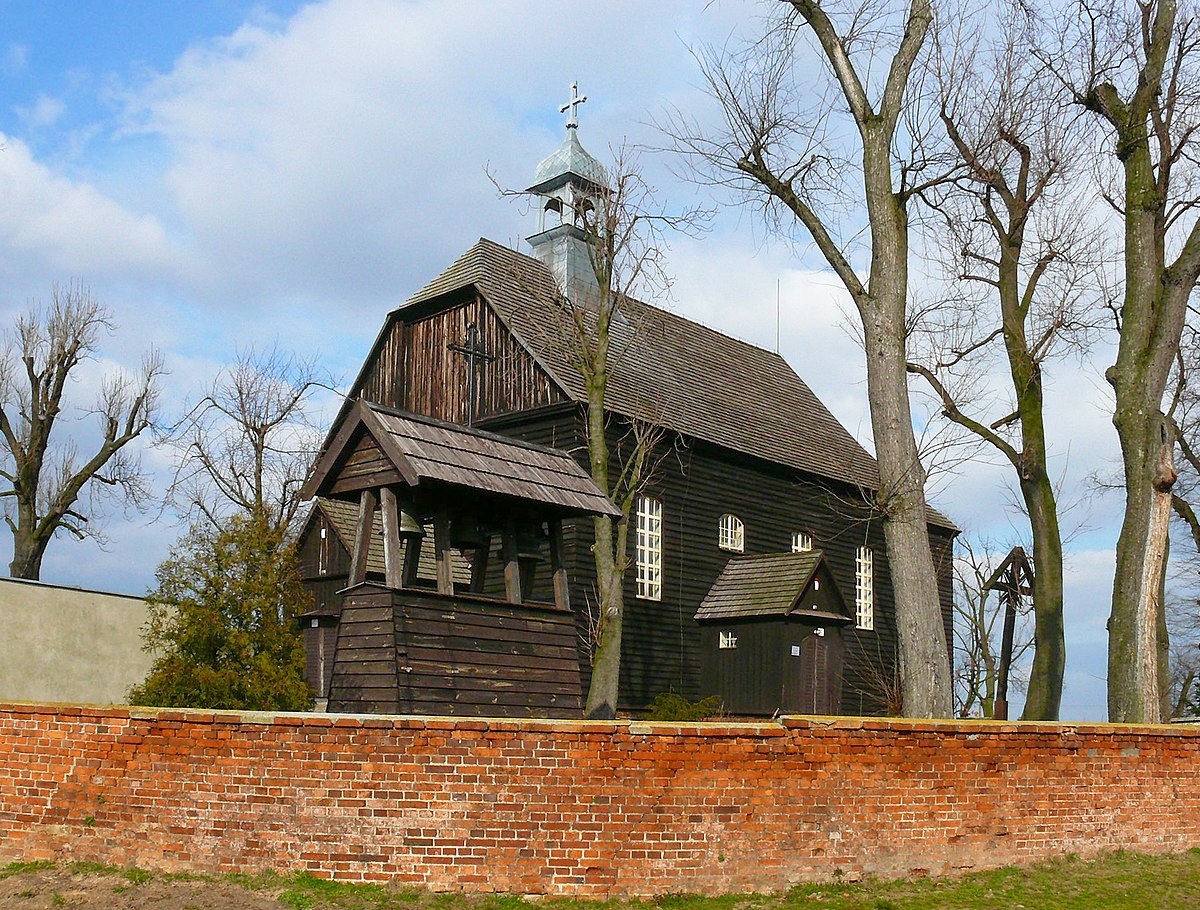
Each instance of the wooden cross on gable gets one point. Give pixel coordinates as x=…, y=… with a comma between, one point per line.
x=476, y=356
x=573, y=107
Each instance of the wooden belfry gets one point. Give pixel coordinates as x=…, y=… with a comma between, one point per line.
x=1013, y=578
x=473, y=487
x=481, y=647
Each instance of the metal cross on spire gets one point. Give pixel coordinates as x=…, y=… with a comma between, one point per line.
x=573, y=106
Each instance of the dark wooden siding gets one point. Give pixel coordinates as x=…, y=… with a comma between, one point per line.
x=320, y=644
x=698, y=483
x=415, y=652
x=413, y=369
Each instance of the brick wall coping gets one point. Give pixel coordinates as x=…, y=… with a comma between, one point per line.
x=778, y=727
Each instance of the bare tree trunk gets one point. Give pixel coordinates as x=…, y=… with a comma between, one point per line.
x=28, y=551
x=924, y=661
x=1152, y=136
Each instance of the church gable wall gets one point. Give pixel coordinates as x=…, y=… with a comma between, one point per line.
x=413, y=368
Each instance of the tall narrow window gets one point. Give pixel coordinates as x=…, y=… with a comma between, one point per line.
x=649, y=548
x=801, y=542
x=732, y=534
x=864, y=588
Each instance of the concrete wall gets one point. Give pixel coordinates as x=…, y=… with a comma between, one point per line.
x=62, y=644
x=582, y=807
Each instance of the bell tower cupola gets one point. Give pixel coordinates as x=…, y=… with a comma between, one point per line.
x=566, y=187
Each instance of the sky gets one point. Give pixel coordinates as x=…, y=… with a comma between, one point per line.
x=228, y=174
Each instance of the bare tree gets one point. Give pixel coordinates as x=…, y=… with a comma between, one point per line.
x=793, y=152
x=600, y=327
x=51, y=487
x=1014, y=228
x=247, y=446
x=1134, y=66
x=1182, y=613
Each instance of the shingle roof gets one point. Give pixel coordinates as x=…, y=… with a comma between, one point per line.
x=768, y=585
x=486, y=461
x=670, y=370
x=423, y=450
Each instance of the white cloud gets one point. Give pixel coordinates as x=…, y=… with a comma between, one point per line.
x=57, y=228
x=45, y=112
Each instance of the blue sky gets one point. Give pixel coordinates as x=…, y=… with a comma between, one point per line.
x=225, y=174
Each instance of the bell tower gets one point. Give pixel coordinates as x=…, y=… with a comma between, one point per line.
x=567, y=185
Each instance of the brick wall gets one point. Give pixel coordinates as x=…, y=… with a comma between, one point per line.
x=582, y=807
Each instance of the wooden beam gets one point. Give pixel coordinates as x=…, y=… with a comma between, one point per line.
x=479, y=565
x=393, y=564
x=512, y=565
x=562, y=585
x=412, y=561
x=367, y=502
x=441, y=545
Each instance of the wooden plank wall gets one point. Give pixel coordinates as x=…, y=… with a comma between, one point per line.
x=413, y=368
x=364, y=678
x=480, y=657
x=698, y=483
x=413, y=652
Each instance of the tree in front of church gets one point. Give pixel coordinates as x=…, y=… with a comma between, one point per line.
x=622, y=236
x=51, y=484
x=222, y=622
x=807, y=155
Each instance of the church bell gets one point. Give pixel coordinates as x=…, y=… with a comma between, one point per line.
x=529, y=544
x=410, y=526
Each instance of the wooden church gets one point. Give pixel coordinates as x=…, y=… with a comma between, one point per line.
x=758, y=571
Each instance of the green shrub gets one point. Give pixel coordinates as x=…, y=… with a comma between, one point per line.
x=671, y=707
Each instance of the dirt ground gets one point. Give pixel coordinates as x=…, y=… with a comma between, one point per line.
x=59, y=888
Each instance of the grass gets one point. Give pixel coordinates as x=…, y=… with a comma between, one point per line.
x=1115, y=881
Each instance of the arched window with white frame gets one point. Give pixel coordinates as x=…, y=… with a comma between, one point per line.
x=802, y=542
x=732, y=534
x=864, y=588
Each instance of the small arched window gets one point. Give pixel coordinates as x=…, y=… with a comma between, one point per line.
x=864, y=588
x=732, y=534
x=801, y=542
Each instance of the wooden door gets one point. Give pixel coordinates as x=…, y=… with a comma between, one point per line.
x=815, y=683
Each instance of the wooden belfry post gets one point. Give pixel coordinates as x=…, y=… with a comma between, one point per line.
x=367, y=502
x=393, y=565
x=1013, y=578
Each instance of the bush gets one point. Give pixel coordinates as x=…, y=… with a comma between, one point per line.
x=671, y=707
x=223, y=623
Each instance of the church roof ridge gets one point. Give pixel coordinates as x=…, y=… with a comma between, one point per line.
x=690, y=377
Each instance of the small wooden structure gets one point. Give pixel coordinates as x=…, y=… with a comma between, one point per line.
x=771, y=635
x=326, y=546
x=1013, y=578
x=402, y=647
